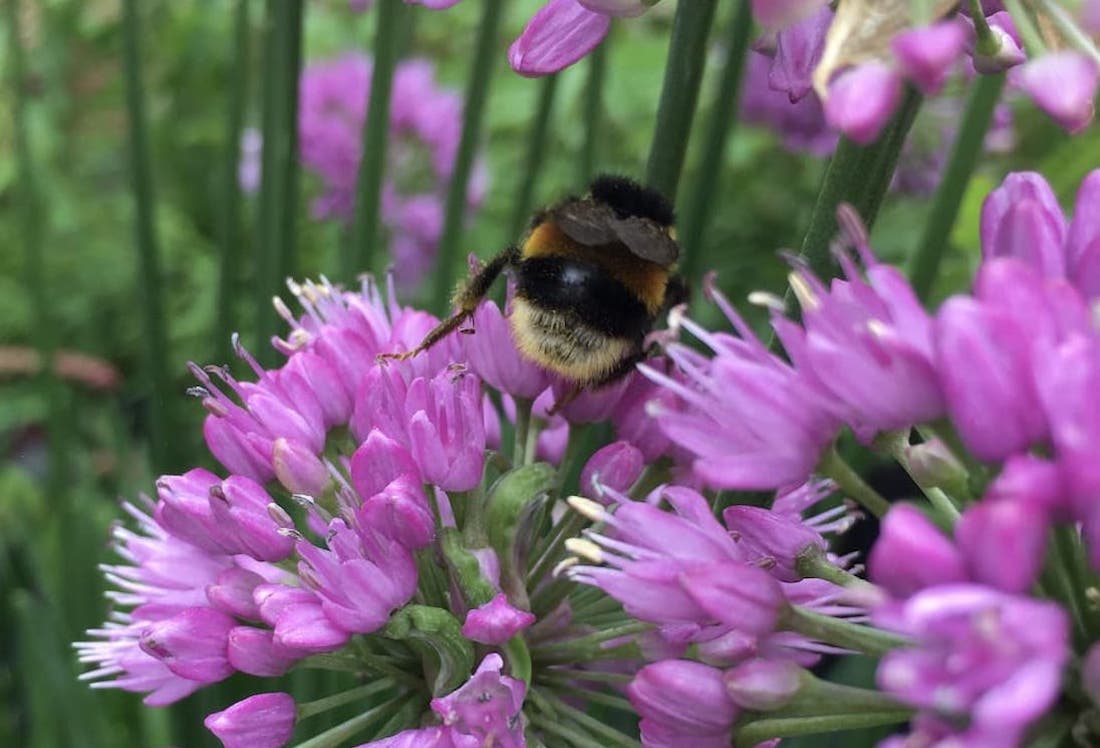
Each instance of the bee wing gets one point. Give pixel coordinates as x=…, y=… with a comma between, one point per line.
x=593, y=224
x=586, y=222
x=647, y=240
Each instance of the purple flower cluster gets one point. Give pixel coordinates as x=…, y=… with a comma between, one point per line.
x=425, y=127
x=725, y=589
x=858, y=69
x=1009, y=372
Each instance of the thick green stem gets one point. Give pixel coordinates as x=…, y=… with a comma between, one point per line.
x=365, y=234
x=764, y=729
x=833, y=466
x=687, y=53
x=477, y=92
x=925, y=263
x=593, y=110
x=859, y=175
x=840, y=633
x=279, y=182
x=161, y=422
x=532, y=163
x=523, y=429
x=230, y=228
x=720, y=124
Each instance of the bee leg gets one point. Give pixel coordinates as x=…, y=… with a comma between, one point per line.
x=467, y=300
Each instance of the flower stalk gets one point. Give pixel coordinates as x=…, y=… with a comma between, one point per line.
x=687, y=52
x=366, y=226
x=477, y=93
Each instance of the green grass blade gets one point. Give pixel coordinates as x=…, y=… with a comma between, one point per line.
x=162, y=396
x=230, y=229
x=388, y=40
x=593, y=110
x=532, y=162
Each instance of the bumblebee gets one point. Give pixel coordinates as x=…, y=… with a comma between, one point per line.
x=592, y=276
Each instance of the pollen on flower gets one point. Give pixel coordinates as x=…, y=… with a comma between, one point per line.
x=802, y=291
x=585, y=549
x=591, y=509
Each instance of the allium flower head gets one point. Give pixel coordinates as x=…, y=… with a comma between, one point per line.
x=425, y=126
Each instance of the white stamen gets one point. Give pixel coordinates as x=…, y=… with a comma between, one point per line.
x=802, y=291
x=587, y=508
x=585, y=548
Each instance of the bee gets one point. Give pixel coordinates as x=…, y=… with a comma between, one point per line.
x=592, y=276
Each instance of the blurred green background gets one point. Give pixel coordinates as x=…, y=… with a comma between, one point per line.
x=75, y=437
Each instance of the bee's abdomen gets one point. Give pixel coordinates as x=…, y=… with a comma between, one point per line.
x=583, y=293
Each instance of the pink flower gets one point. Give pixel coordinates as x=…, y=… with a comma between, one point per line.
x=1063, y=84
x=558, y=35
x=496, y=621
x=862, y=99
x=682, y=703
x=265, y=720
x=979, y=655
x=728, y=399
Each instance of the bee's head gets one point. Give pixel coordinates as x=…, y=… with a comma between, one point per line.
x=629, y=198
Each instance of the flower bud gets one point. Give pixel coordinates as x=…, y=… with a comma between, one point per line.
x=772, y=541
x=191, y=643
x=1083, y=242
x=298, y=469
x=926, y=55
x=1063, y=84
x=911, y=553
x=763, y=685
x=862, y=99
x=254, y=651
x=616, y=466
x=1000, y=49
x=496, y=621
x=932, y=465
x=1022, y=219
x=265, y=720
x=687, y=697
x=558, y=35
x=988, y=528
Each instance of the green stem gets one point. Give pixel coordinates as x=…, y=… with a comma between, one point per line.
x=522, y=431
x=477, y=92
x=817, y=565
x=1069, y=28
x=687, y=53
x=230, y=233
x=1025, y=25
x=761, y=730
x=161, y=421
x=519, y=658
x=833, y=466
x=571, y=735
x=309, y=709
x=593, y=109
x=591, y=645
x=337, y=735
x=858, y=175
x=279, y=182
x=610, y=735
x=840, y=633
x=532, y=163
x=720, y=124
x=372, y=166
x=925, y=262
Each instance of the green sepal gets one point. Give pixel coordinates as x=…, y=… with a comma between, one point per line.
x=436, y=635
x=466, y=571
x=513, y=502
